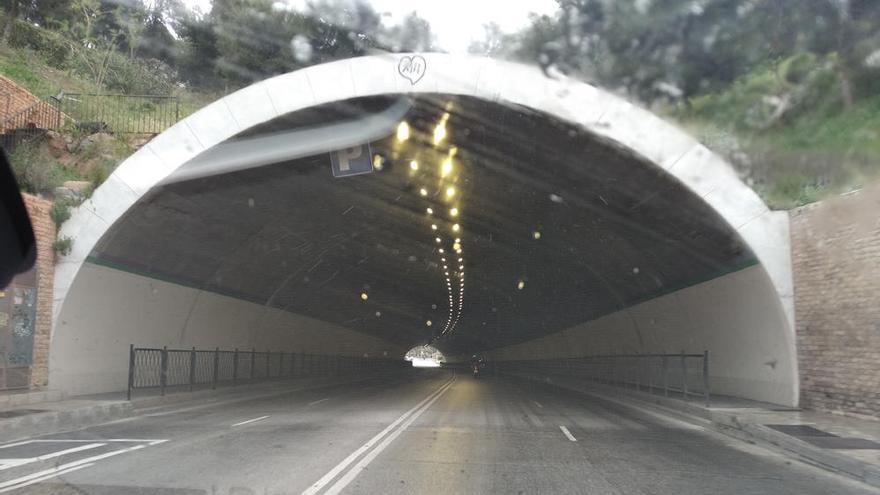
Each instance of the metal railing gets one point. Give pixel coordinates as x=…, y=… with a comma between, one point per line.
x=684, y=375
x=154, y=368
x=121, y=114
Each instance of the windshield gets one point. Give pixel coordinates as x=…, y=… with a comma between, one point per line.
x=351, y=246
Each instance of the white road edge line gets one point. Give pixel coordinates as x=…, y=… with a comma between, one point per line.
x=327, y=478
x=318, y=401
x=538, y=404
x=29, y=460
x=44, y=478
x=360, y=466
x=251, y=421
x=568, y=433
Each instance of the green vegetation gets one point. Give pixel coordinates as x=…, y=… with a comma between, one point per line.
x=62, y=246
x=788, y=90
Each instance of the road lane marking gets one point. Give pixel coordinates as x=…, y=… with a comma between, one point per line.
x=360, y=466
x=327, y=478
x=10, y=463
x=55, y=471
x=568, y=433
x=250, y=421
x=44, y=478
x=318, y=401
x=538, y=404
x=82, y=440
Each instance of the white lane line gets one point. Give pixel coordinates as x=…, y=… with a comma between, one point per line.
x=327, y=478
x=568, y=433
x=318, y=401
x=44, y=478
x=360, y=466
x=82, y=440
x=538, y=404
x=62, y=467
x=251, y=421
x=10, y=463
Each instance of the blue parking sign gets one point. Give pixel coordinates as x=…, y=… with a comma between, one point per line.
x=356, y=160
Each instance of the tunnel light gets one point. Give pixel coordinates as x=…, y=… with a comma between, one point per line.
x=458, y=251
x=378, y=314
x=378, y=162
x=440, y=130
x=441, y=250
x=430, y=211
x=428, y=323
x=460, y=260
x=402, y=131
x=456, y=246
x=536, y=235
x=443, y=259
x=450, y=191
x=364, y=296
x=456, y=228
x=453, y=212
x=520, y=285
x=457, y=239
x=461, y=267
x=446, y=167
x=433, y=226
x=413, y=165
x=423, y=191
x=438, y=240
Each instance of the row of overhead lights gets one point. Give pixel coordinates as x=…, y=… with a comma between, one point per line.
x=448, y=242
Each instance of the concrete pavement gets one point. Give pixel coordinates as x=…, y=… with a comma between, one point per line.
x=419, y=433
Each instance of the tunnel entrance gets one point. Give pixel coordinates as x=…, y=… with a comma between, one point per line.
x=478, y=226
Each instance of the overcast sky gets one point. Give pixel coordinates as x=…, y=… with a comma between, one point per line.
x=455, y=23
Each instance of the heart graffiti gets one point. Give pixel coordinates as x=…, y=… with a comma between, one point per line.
x=412, y=68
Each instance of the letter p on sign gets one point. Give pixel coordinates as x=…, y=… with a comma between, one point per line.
x=356, y=160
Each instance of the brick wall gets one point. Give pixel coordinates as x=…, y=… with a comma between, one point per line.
x=14, y=99
x=44, y=230
x=836, y=258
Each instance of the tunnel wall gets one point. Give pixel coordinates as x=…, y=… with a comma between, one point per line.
x=735, y=317
x=110, y=309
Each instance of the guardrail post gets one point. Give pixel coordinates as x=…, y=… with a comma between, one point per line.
x=163, y=378
x=706, y=376
x=253, y=361
x=130, y=370
x=235, y=367
x=216, y=374
x=665, y=379
x=684, y=380
x=280, y=364
x=192, y=368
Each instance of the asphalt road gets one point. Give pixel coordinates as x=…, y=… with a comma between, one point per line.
x=425, y=433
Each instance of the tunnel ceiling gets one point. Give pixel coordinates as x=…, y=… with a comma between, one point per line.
x=557, y=228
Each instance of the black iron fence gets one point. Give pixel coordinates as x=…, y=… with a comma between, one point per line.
x=684, y=375
x=121, y=114
x=162, y=369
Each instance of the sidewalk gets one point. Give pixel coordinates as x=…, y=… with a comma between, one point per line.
x=839, y=443
x=39, y=413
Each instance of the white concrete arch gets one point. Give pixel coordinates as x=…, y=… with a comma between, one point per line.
x=704, y=173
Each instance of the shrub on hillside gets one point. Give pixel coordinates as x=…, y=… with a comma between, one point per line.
x=48, y=44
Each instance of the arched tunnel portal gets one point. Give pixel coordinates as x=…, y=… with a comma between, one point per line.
x=513, y=215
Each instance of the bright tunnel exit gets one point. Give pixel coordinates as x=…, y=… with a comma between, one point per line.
x=425, y=356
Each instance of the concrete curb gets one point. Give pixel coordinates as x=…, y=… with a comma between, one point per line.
x=76, y=418
x=728, y=423
x=61, y=421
